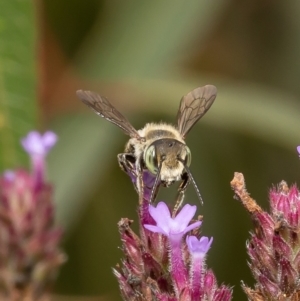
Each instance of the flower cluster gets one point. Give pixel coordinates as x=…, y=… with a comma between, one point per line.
x=29, y=253
x=274, y=247
x=167, y=261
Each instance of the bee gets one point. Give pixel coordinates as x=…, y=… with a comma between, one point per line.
x=157, y=148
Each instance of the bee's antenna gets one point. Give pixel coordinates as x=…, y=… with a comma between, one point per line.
x=193, y=181
x=154, y=188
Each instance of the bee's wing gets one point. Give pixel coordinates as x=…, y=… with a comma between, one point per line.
x=193, y=106
x=102, y=107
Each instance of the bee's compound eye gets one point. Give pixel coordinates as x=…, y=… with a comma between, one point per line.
x=150, y=159
x=188, y=157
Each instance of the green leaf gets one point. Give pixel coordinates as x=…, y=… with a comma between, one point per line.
x=17, y=79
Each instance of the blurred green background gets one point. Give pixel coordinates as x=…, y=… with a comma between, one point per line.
x=144, y=55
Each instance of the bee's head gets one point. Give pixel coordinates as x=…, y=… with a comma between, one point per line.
x=169, y=152
x=167, y=159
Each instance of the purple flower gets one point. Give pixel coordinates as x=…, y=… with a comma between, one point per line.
x=198, y=248
x=298, y=149
x=36, y=144
x=169, y=226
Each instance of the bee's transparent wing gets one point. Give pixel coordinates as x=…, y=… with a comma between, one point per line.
x=193, y=106
x=102, y=107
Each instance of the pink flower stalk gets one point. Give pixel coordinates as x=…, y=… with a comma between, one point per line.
x=164, y=263
x=29, y=253
x=274, y=246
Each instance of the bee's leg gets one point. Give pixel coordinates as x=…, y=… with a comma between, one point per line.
x=133, y=167
x=154, y=193
x=127, y=164
x=181, y=190
x=139, y=180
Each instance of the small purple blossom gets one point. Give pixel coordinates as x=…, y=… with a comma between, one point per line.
x=36, y=144
x=298, y=150
x=169, y=226
x=198, y=247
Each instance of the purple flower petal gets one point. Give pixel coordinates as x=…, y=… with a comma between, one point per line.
x=30, y=142
x=185, y=215
x=192, y=226
x=298, y=150
x=155, y=229
x=160, y=213
x=49, y=140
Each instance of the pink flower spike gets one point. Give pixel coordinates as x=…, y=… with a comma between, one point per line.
x=169, y=226
x=198, y=248
x=298, y=150
x=36, y=144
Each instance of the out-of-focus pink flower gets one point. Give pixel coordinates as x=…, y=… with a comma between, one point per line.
x=29, y=240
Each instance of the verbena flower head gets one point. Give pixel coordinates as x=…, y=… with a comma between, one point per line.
x=274, y=246
x=159, y=265
x=29, y=240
